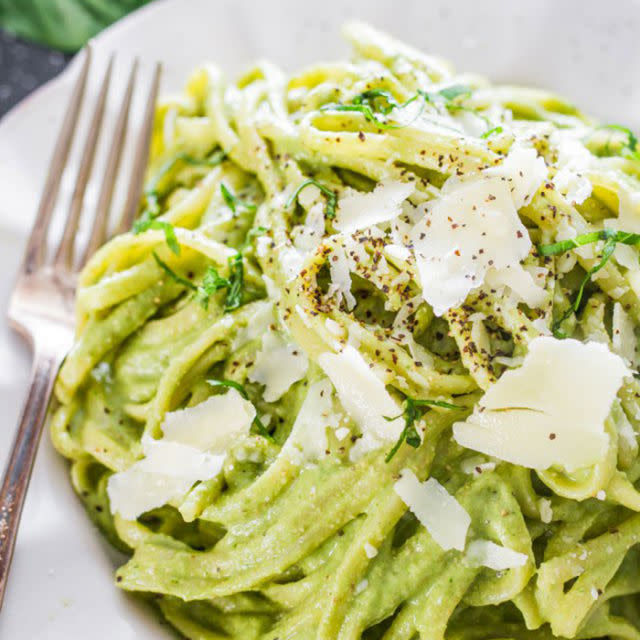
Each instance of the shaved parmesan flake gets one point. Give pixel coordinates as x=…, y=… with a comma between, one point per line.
x=520, y=281
x=340, y=272
x=546, y=512
x=625, y=255
x=166, y=473
x=211, y=425
x=542, y=326
x=442, y=515
x=308, y=236
x=472, y=124
x=474, y=228
x=334, y=328
x=308, y=438
x=278, y=365
x=397, y=252
x=623, y=337
x=364, y=397
x=173, y=464
x=489, y=554
x=626, y=432
x=263, y=246
x=291, y=261
x=575, y=187
x=573, y=159
x=628, y=209
x=476, y=466
x=551, y=411
x=361, y=586
x=358, y=210
x=273, y=293
x=524, y=171
x=304, y=316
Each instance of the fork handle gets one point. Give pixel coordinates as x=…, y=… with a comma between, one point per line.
x=22, y=455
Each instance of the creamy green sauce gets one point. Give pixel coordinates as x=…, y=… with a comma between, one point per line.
x=273, y=547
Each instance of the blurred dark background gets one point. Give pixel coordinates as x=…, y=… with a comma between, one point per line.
x=23, y=67
x=38, y=38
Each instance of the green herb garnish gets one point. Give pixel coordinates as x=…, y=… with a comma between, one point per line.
x=376, y=102
x=618, y=237
x=173, y=275
x=455, y=91
x=631, y=146
x=169, y=232
x=332, y=198
x=257, y=423
x=255, y=232
x=489, y=133
x=611, y=238
x=234, y=203
x=411, y=412
x=153, y=193
x=229, y=383
x=370, y=104
x=236, y=283
x=213, y=282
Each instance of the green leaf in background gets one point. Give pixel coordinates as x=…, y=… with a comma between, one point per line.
x=62, y=24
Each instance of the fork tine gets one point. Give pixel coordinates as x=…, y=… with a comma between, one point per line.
x=36, y=245
x=98, y=233
x=142, y=154
x=64, y=254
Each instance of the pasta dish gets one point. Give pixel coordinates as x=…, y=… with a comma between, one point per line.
x=365, y=365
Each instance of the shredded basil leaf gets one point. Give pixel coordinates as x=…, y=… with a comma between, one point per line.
x=211, y=283
x=372, y=103
x=229, y=383
x=261, y=430
x=173, y=275
x=169, y=232
x=632, y=140
x=374, y=99
x=489, y=133
x=234, y=203
x=255, y=232
x=628, y=148
x=236, y=283
x=332, y=198
x=153, y=193
x=455, y=91
x=622, y=237
x=448, y=95
x=375, y=102
x=411, y=412
x=611, y=238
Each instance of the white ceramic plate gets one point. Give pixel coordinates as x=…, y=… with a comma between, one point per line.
x=61, y=584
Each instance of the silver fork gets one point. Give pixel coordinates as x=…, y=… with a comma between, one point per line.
x=41, y=306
